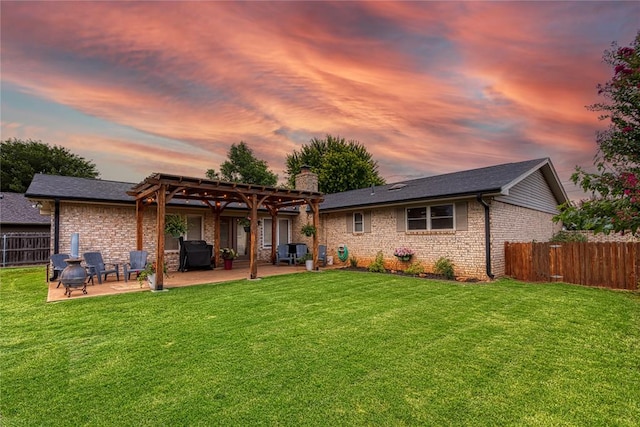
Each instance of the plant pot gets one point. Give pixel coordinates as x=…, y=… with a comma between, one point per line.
x=151, y=279
x=309, y=264
x=247, y=229
x=405, y=258
x=228, y=264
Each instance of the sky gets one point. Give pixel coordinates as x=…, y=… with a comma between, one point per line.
x=427, y=87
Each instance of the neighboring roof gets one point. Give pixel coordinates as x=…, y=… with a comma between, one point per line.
x=50, y=187
x=15, y=208
x=492, y=180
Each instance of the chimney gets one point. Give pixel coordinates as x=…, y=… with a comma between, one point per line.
x=306, y=180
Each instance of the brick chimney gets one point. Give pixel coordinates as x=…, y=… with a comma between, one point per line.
x=306, y=180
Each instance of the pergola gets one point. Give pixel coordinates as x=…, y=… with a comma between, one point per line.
x=160, y=188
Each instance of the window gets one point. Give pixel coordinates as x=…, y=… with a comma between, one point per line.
x=439, y=217
x=417, y=219
x=194, y=232
x=282, y=232
x=194, y=228
x=358, y=222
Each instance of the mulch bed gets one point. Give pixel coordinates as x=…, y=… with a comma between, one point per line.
x=432, y=276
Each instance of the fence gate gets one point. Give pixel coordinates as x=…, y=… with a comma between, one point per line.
x=612, y=265
x=25, y=248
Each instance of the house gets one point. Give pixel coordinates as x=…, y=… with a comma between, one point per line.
x=464, y=216
x=25, y=233
x=19, y=215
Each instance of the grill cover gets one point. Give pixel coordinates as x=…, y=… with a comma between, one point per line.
x=195, y=254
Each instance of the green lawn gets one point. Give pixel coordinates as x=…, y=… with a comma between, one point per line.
x=331, y=348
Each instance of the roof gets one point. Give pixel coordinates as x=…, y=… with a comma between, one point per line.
x=492, y=180
x=15, y=208
x=51, y=187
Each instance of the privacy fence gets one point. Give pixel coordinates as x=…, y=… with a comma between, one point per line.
x=611, y=265
x=25, y=248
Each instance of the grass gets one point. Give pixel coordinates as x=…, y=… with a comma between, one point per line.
x=332, y=348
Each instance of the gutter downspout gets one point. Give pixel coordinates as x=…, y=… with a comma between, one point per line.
x=487, y=235
x=56, y=227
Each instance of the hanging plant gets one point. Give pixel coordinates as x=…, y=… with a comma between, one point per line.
x=175, y=225
x=308, y=230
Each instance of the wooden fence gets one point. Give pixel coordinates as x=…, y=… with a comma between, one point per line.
x=611, y=265
x=25, y=248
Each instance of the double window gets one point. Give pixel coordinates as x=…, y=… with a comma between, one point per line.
x=437, y=217
x=282, y=231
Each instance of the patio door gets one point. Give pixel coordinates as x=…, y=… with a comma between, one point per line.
x=232, y=235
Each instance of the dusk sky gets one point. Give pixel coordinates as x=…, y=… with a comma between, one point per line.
x=427, y=87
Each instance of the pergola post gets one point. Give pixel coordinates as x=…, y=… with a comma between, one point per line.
x=315, y=208
x=161, y=209
x=139, y=223
x=253, y=253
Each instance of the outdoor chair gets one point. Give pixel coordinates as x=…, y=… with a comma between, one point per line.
x=283, y=255
x=137, y=263
x=301, y=251
x=322, y=254
x=59, y=264
x=97, y=267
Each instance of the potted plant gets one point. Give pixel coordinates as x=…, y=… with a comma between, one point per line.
x=175, y=225
x=246, y=223
x=403, y=254
x=149, y=274
x=228, y=255
x=308, y=261
x=308, y=230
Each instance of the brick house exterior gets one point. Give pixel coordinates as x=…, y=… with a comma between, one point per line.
x=519, y=199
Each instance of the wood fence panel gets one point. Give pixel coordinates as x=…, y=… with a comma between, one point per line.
x=25, y=248
x=612, y=265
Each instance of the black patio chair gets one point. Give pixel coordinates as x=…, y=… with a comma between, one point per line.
x=59, y=264
x=137, y=263
x=283, y=255
x=97, y=267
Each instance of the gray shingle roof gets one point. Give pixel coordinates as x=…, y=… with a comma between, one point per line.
x=15, y=208
x=487, y=180
x=72, y=188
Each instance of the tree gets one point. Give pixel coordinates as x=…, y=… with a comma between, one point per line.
x=614, y=205
x=20, y=160
x=243, y=166
x=341, y=165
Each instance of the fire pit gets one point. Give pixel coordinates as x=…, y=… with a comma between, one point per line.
x=74, y=276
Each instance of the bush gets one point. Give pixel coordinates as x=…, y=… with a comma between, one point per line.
x=415, y=268
x=353, y=261
x=568, y=236
x=378, y=265
x=444, y=266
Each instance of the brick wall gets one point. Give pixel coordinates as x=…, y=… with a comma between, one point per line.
x=510, y=223
x=466, y=249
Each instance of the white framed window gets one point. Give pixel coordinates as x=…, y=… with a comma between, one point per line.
x=194, y=227
x=436, y=217
x=358, y=222
x=282, y=232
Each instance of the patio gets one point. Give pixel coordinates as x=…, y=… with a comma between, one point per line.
x=175, y=279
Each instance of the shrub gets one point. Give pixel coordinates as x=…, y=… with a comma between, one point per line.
x=415, y=268
x=568, y=236
x=378, y=265
x=444, y=266
x=353, y=261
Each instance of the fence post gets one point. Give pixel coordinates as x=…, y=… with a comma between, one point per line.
x=4, y=250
